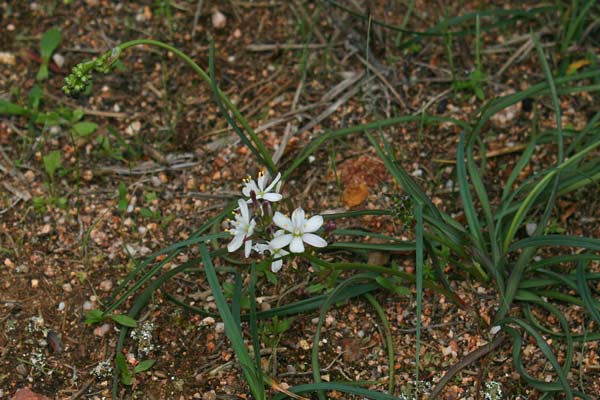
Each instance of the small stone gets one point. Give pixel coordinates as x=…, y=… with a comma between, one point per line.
x=67, y=287
x=7, y=58
x=237, y=33
x=155, y=181
x=46, y=229
x=106, y=285
x=58, y=59
x=102, y=330
x=212, y=395
x=29, y=176
x=219, y=20
x=35, y=283
x=87, y=306
x=530, y=228
x=87, y=175
x=8, y=263
x=304, y=345
x=49, y=271
x=207, y=321
x=219, y=327
x=329, y=320
x=133, y=128
x=21, y=370
x=61, y=306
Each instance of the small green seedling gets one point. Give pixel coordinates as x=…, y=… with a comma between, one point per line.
x=97, y=316
x=48, y=44
x=127, y=374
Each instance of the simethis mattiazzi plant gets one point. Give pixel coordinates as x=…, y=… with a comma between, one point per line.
x=531, y=274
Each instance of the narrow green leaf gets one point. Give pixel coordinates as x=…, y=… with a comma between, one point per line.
x=124, y=320
x=122, y=369
x=8, y=108
x=232, y=330
x=143, y=366
x=49, y=42
x=94, y=317
x=52, y=162
x=84, y=128
x=584, y=291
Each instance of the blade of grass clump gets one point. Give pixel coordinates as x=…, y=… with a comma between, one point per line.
x=194, y=239
x=557, y=240
x=316, y=143
x=502, y=14
x=316, y=368
x=575, y=24
x=381, y=270
x=528, y=202
x=232, y=329
x=298, y=307
x=258, y=150
x=465, y=194
x=530, y=299
x=254, y=322
x=337, y=387
x=584, y=291
x=563, y=384
x=583, y=133
x=153, y=271
x=236, y=299
x=388, y=340
x=523, y=160
x=401, y=247
x=419, y=278
x=546, y=262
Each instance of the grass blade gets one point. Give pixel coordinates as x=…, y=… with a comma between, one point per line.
x=231, y=328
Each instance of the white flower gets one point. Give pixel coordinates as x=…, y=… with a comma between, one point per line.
x=277, y=254
x=268, y=193
x=242, y=229
x=300, y=231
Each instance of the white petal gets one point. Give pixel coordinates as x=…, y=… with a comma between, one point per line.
x=261, y=181
x=272, y=197
x=314, y=240
x=244, y=209
x=248, y=248
x=260, y=248
x=246, y=191
x=296, y=245
x=277, y=178
x=313, y=224
x=298, y=218
x=276, y=265
x=235, y=243
x=280, y=241
x=252, y=224
x=280, y=253
x=278, y=232
x=282, y=221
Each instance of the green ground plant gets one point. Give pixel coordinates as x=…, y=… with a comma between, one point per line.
x=491, y=247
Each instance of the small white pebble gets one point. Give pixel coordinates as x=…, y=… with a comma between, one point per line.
x=219, y=20
x=61, y=306
x=530, y=228
x=219, y=327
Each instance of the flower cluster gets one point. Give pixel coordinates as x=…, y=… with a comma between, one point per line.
x=81, y=75
x=265, y=230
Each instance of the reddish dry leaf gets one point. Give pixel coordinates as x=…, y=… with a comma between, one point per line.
x=355, y=194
